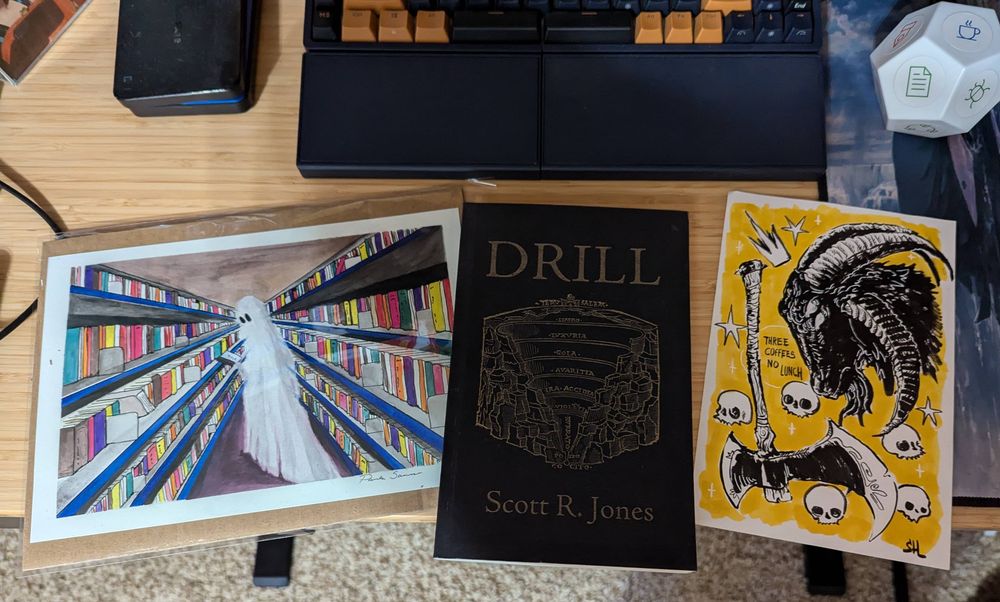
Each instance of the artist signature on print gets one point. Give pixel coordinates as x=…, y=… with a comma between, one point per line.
x=913, y=547
x=396, y=474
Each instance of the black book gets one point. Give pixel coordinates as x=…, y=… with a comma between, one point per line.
x=569, y=406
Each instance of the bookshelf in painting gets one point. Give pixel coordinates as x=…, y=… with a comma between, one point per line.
x=370, y=330
x=143, y=387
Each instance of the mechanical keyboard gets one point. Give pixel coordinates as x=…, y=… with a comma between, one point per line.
x=612, y=89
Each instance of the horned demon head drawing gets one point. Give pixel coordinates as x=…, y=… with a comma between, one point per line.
x=847, y=310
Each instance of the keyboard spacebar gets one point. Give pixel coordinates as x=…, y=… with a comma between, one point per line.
x=597, y=27
x=494, y=26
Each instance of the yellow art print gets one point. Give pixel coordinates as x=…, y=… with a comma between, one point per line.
x=826, y=417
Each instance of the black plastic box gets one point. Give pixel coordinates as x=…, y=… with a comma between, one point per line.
x=186, y=57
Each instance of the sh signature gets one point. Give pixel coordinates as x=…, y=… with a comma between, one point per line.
x=371, y=478
x=913, y=547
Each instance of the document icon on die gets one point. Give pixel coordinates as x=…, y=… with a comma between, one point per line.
x=918, y=84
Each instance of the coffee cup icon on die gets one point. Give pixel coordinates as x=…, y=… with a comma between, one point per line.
x=937, y=73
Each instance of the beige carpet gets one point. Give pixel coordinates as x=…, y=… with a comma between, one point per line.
x=392, y=562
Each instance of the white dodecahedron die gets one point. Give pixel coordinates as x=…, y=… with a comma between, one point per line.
x=936, y=73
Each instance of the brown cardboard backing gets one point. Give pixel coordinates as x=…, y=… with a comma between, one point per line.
x=112, y=547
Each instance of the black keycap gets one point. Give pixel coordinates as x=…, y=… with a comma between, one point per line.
x=798, y=6
x=691, y=6
x=494, y=26
x=449, y=5
x=769, y=28
x=415, y=5
x=595, y=4
x=478, y=5
x=541, y=6
x=760, y=6
x=601, y=27
x=737, y=28
x=799, y=28
x=505, y=4
x=565, y=4
x=629, y=5
x=324, y=27
x=658, y=6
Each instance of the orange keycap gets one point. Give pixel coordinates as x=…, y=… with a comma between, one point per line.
x=648, y=28
x=708, y=28
x=678, y=29
x=359, y=26
x=395, y=26
x=374, y=5
x=432, y=26
x=726, y=6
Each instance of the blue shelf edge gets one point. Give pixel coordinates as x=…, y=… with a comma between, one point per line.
x=424, y=433
x=89, y=292
x=89, y=493
x=364, y=439
x=185, y=491
x=360, y=265
x=147, y=493
x=444, y=345
x=355, y=471
x=76, y=396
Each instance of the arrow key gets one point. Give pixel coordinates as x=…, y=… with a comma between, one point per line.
x=738, y=27
x=770, y=28
x=799, y=28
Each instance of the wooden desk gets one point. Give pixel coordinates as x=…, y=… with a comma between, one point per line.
x=68, y=143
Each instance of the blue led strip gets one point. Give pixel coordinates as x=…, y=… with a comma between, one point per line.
x=418, y=430
x=89, y=292
x=217, y=101
x=82, y=501
x=78, y=399
x=199, y=464
x=442, y=346
x=383, y=455
x=167, y=465
x=354, y=268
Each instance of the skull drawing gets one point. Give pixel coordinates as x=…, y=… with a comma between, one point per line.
x=826, y=504
x=903, y=442
x=913, y=502
x=799, y=399
x=734, y=408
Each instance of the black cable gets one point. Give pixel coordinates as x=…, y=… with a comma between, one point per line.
x=51, y=223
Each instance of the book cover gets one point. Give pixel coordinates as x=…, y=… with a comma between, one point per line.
x=828, y=410
x=569, y=421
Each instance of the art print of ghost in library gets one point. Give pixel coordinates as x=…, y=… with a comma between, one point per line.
x=277, y=433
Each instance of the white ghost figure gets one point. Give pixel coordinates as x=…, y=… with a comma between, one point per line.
x=826, y=504
x=913, y=502
x=734, y=408
x=799, y=399
x=277, y=433
x=903, y=442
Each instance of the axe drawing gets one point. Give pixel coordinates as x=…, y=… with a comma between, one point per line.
x=839, y=458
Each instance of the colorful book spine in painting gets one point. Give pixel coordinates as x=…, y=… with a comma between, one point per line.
x=180, y=474
x=336, y=432
x=408, y=447
x=160, y=445
x=366, y=247
x=84, y=344
x=95, y=278
x=396, y=310
x=411, y=375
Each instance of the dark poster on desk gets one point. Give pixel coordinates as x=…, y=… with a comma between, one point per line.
x=955, y=178
x=569, y=426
